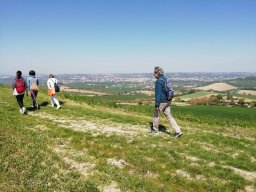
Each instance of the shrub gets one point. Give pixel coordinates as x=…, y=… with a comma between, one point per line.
x=202, y=101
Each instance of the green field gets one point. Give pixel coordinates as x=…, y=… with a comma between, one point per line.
x=245, y=83
x=93, y=144
x=195, y=95
x=117, y=98
x=108, y=87
x=204, y=115
x=244, y=96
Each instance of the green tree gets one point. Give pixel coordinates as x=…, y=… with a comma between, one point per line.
x=229, y=96
x=241, y=102
x=219, y=97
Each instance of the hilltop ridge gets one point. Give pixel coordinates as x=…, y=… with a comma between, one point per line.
x=217, y=87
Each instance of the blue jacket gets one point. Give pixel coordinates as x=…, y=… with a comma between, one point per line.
x=160, y=92
x=30, y=80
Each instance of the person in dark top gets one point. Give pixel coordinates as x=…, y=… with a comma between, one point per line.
x=162, y=103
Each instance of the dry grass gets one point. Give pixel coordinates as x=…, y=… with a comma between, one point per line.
x=247, y=92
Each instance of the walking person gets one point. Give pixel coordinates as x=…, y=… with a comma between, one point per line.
x=32, y=84
x=162, y=103
x=52, y=90
x=19, y=88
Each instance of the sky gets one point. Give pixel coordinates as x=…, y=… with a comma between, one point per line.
x=127, y=36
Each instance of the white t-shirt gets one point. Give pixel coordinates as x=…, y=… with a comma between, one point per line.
x=50, y=82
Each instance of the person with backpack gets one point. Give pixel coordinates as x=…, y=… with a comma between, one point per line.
x=19, y=88
x=32, y=84
x=163, y=97
x=53, y=87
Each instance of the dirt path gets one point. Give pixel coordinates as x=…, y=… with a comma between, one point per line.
x=81, y=125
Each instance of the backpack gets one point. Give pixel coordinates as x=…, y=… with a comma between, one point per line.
x=169, y=89
x=34, y=86
x=20, y=85
x=56, y=86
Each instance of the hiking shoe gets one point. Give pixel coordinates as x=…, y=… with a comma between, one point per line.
x=177, y=134
x=58, y=107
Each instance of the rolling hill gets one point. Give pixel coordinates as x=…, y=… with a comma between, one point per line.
x=220, y=87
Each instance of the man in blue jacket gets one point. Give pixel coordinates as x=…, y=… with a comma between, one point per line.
x=162, y=103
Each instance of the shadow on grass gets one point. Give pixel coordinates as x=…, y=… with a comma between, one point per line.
x=162, y=128
x=31, y=108
x=62, y=102
x=44, y=103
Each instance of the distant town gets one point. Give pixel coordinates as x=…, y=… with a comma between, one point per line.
x=139, y=77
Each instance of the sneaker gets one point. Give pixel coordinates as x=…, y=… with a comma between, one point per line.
x=21, y=111
x=58, y=107
x=178, y=134
x=24, y=110
x=153, y=130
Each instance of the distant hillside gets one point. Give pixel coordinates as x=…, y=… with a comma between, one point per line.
x=247, y=92
x=248, y=83
x=217, y=87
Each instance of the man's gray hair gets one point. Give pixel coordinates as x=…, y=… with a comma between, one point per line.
x=159, y=71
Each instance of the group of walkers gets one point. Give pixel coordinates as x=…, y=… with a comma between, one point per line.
x=20, y=87
x=162, y=98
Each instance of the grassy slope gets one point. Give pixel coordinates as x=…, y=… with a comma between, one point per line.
x=195, y=95
x=38, y=152
x=205, y=115
x=244, y=96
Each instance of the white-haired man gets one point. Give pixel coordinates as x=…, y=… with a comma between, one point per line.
x=162, y=103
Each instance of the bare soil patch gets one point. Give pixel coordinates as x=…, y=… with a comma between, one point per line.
x=111, y=188
x=120, y=163
x=95, y=127
x=64, y=152
x=250, y=176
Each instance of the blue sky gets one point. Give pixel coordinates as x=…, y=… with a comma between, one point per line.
x=105, y=36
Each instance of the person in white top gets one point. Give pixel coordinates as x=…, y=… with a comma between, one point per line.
x=51, y=90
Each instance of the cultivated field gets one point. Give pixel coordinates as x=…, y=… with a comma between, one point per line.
x=87, y=92
x=94, y=144
x=196, y=95
x=217, y=87
x=247, y=92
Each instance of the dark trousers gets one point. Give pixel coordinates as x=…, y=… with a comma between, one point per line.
x=33, y=96
x=19, y=99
